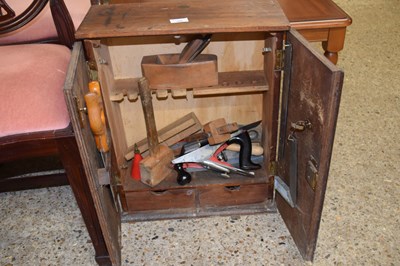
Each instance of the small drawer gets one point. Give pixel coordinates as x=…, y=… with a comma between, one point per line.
x=158, y=200
x=234, y=195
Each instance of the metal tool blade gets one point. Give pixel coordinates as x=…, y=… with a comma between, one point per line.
x=197, y=156
x=226, y=168
x=203, y=45
x=250, y=126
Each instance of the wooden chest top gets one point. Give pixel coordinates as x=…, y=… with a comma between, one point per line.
x=157, y=17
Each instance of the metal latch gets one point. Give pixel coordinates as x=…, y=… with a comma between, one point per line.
x=300, y=126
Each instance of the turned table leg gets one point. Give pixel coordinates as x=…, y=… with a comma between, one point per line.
x=334, y=43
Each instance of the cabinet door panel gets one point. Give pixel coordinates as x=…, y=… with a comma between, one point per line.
x=76, y=86
x=310, y=104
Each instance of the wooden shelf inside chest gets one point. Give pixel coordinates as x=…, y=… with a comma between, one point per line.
x=229, y=83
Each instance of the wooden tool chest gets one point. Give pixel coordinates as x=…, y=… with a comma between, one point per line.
x=266, y=72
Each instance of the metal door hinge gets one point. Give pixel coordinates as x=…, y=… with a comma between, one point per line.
x=279, y=60
x=91, y=69
x=80, y=109
x=273, y=168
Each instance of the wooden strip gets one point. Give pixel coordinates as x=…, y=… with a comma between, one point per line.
x=124, y=87
x=171, y=134
x=221, y=91
x=118, y=97
x=178, y=93
x=236, y=82
x=162, y=94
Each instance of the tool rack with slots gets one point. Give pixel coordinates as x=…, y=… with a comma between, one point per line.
x=265, y=72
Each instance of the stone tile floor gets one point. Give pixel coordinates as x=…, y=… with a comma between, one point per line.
x=360, y=223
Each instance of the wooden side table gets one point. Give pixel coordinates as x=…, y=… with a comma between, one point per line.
x=319, y=21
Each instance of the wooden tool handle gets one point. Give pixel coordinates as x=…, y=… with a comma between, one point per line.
x=228, y=128
x=256, y=149
x=97, y=120
x=148, y=111
x=189, y=50
x=94, y=86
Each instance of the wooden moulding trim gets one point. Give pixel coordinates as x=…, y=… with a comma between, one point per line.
x=50, y=134
x=327, y=24
x=32, y=144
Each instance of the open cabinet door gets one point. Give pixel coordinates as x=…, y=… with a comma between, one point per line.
x=75, y=87
x=310, y=104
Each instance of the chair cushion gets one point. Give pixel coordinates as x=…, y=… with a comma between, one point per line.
x=31, y=88
x=42, y=27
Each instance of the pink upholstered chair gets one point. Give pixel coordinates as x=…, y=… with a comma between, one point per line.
x=34, y=122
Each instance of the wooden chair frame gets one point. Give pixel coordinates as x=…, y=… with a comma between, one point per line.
x=60, y=143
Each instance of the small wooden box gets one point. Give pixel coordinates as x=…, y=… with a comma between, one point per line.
x=164, y=72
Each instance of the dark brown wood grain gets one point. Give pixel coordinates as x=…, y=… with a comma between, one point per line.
x=314, y=95
x=63, y=22
x=22, y=148
x=69, y=153
x=153, y=18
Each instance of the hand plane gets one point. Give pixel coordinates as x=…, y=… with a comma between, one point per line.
x=211, y=157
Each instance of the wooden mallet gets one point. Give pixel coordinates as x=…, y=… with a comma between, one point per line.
x=157, y=166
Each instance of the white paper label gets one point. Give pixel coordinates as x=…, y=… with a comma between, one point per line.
x=179, y=20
